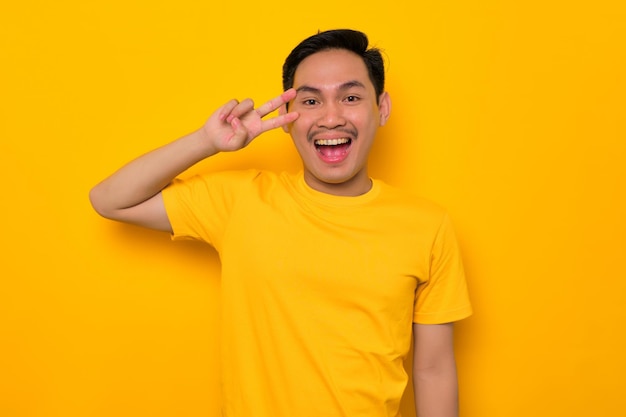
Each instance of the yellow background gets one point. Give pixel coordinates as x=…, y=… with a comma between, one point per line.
x=509, y=113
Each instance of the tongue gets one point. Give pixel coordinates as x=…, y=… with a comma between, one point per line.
x=333, y=151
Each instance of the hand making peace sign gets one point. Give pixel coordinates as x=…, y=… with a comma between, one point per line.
x=235, y=124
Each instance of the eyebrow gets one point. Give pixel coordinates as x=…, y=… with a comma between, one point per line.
x=345, y=86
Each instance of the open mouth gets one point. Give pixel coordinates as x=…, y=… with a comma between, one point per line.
x=333, y=150
x=332, y=142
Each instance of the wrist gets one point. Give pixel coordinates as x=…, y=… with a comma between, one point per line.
x=202, y=143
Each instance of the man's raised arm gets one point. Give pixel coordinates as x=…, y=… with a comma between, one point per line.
x=133, y=193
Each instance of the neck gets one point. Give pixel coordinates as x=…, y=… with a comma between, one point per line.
x=355, y=186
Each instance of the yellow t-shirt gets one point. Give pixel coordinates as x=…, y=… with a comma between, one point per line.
x=319, y=292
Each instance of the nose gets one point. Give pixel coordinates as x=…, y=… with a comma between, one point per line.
x=331, y=116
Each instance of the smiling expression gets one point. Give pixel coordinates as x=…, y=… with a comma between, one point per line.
x=339, y=116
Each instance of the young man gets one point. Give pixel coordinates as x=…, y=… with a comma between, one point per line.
x=326, y=274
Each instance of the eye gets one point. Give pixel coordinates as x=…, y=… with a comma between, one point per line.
x=309, y=102
x=352, y=99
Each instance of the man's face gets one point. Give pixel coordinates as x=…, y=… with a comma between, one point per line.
x=339, y=117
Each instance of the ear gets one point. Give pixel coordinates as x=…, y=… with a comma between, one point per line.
x=282, y=110
x=384, y=108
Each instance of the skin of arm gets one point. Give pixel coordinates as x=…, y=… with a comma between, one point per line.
x=133, y=193
x=434, y=371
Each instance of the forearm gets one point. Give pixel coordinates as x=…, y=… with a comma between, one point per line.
x=147, y=175
x=131, y=194
x=436, y=391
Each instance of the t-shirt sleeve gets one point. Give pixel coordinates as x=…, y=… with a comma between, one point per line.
x=199, y=208
x=443, y=298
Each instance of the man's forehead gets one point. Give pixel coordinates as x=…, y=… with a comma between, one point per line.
x=341, y=86
x=330, y=70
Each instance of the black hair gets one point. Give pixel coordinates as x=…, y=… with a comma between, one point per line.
x=351, y=40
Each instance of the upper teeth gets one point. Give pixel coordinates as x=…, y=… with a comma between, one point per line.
x=327, y=142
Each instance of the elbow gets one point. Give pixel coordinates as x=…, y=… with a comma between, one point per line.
x=98, y=202
x=442, y=369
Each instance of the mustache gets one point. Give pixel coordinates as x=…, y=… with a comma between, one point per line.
x=349, y=131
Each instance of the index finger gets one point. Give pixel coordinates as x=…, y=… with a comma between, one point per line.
x=276, y=102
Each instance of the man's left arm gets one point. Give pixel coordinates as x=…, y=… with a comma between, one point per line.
x=434, y=371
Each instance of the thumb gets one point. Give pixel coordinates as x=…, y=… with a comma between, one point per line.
x=240, y=133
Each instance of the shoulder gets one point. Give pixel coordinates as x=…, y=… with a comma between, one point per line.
x=411, y=205
x=221, y=179
x=230, y=186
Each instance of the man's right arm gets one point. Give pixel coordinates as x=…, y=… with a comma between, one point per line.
x=133, y=193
